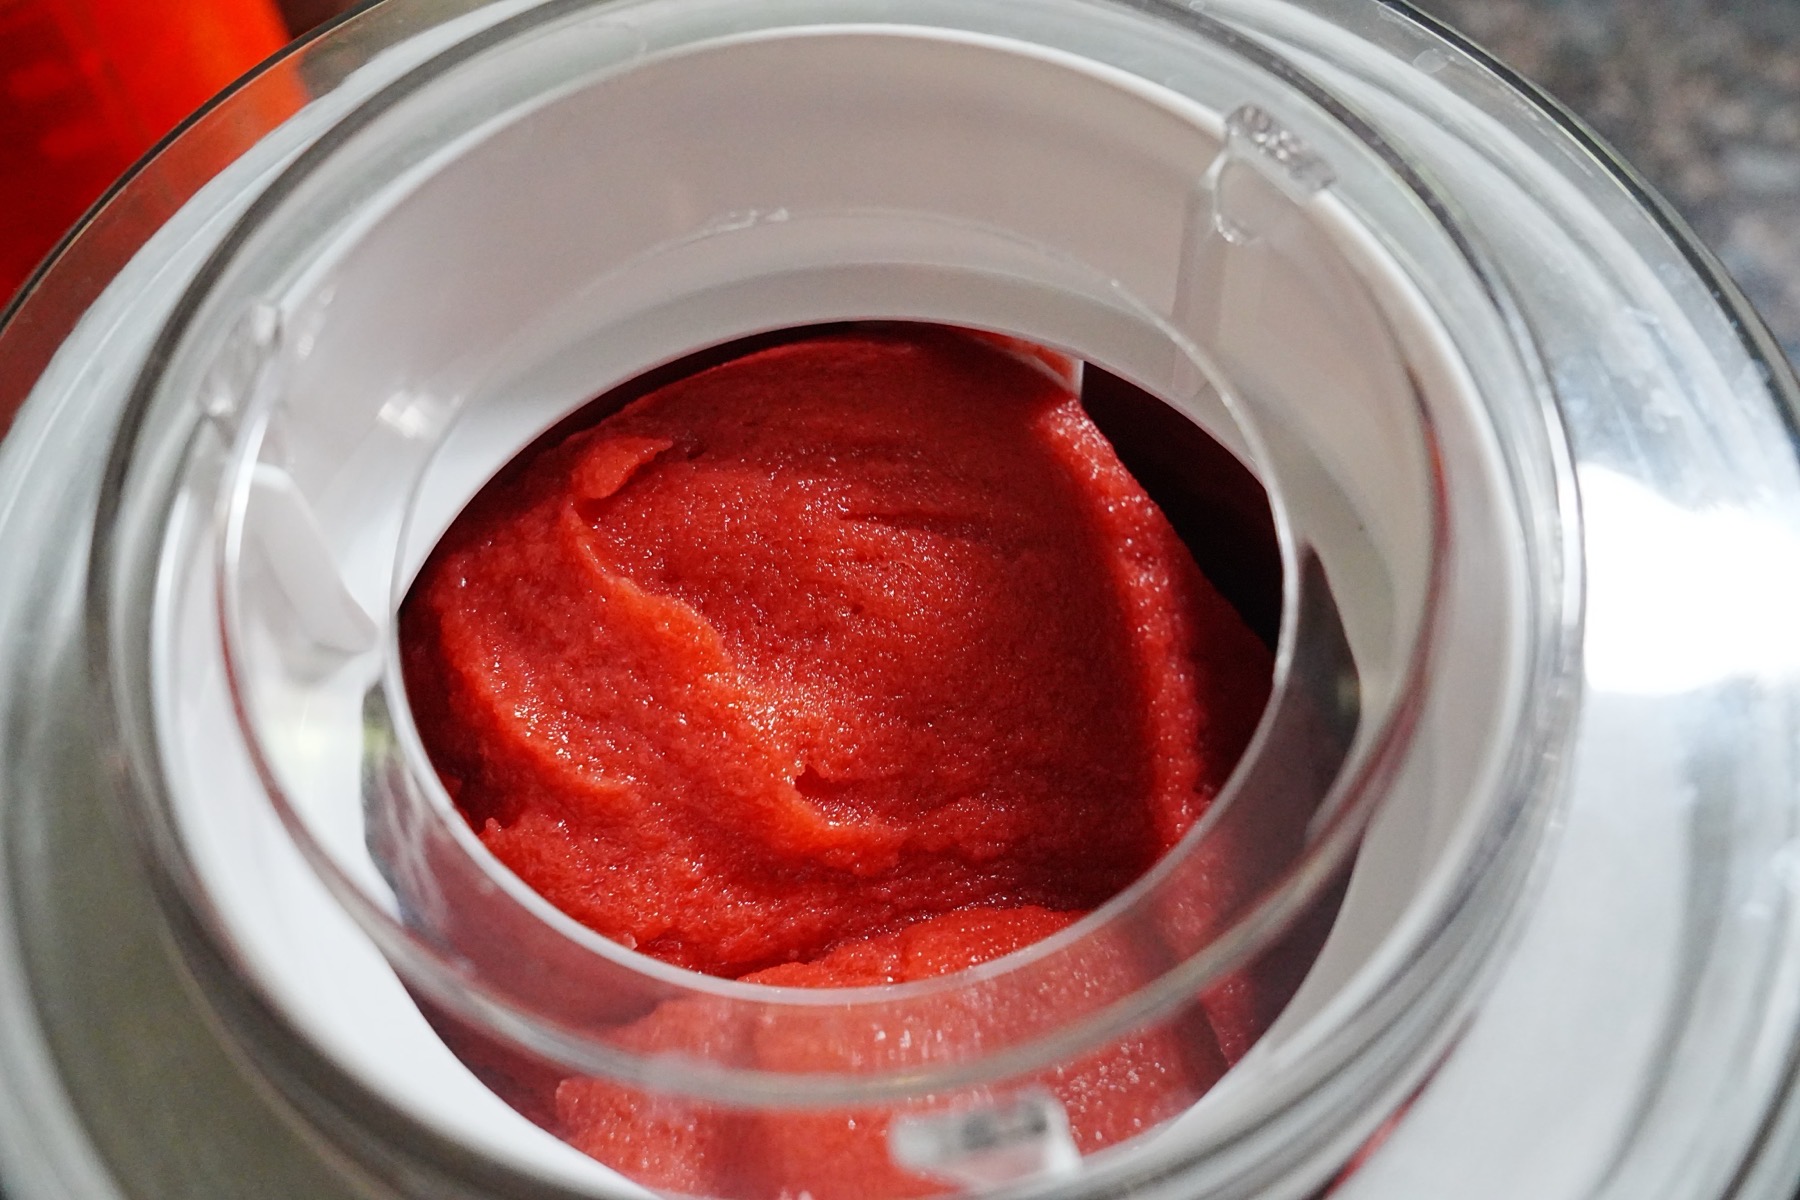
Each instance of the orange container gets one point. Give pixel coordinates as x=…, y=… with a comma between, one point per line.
x=87, y=86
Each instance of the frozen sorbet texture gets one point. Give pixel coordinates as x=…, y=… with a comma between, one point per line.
x=859, y=659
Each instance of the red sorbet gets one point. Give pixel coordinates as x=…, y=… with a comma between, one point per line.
x=831, y=638
x=694, y=1149
x=859, y=659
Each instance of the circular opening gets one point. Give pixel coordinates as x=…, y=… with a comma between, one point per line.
x=479, y=942
x=1212, y=260
x=882, y=494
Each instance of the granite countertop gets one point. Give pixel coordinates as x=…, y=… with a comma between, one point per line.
x=1702, y=96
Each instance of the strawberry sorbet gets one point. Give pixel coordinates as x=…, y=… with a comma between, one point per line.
x=859, y=659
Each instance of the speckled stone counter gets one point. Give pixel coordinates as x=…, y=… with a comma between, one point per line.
x=1702, y=96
